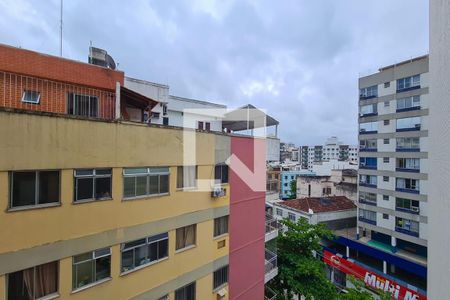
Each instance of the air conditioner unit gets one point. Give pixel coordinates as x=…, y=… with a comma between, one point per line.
x=415, y=209
x=218, y=192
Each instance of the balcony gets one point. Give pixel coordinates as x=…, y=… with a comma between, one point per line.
x=371, y=185
x=415, y=128
x=368, y=149
x=373, y=222
x=368, y=167
x=272, y=227
x=407, y=149
x=269, y=294
x=407, y=170
x=368, y=131
x=271, y=266
x=408, y=109
x=373, y=203
x=413, y=210
x=401, y=90
x=405, y=190
x=406, y=231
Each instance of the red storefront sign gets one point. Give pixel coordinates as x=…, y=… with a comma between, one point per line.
x=372, y=280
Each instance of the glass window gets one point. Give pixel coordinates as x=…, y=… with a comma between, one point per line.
x=368, y=127
x=186, y=292
x=186, y=177
x=368, y=197
x=368, y=179
x=409, y=123
x=386, y=178
x=220, y=226
x=368, y=162
x=144, y=251
x=91, y=267
x=34, y=188
x=385, y=160
x=406, y=224
x=408, y=143
x=220, y=277
x=408, y=163
x=408, y=102
x=291, y=216
x=407, y=183
x=408, y=82
x=92, y=184
x=371, y=91
x=138, y=182
x=186, y=236
x=221, y=173
x=33, y=283
x=29, y=96
x=386, y=141
x=385, y=197
x=386, y=122
x=368, y=144
x=387, y=103
x=279, y=212
x=386, y=216
x=82, y=105
x=367, y=214
x=368, y=109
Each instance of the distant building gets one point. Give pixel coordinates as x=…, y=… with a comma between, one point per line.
x=339, y=183
x=332, y=150
x=336, y=212
x=325, y=167
x=287, y=177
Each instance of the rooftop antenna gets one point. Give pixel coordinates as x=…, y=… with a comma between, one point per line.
x=61, y=30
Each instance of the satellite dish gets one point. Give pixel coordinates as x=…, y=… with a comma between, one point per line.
x=100, y=57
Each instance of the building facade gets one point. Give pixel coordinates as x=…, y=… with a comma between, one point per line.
x=393, y=171
x=287, y=177
x=332, y=150
x=99, y=204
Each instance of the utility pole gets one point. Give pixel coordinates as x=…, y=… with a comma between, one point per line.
x=61, y=31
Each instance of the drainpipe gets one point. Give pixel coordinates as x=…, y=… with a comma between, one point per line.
x=117, y=115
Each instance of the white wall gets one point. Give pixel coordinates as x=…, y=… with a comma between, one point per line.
x=324, y=168
x=272, y=149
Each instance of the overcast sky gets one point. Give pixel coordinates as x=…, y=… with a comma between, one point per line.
x=298, y=59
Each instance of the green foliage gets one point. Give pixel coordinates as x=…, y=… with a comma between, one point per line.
x=299, y=272
x=293, y=189
x=360, y=293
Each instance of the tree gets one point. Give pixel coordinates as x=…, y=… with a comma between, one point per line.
x=359, y=292
x=299, y=272
x=293, y=189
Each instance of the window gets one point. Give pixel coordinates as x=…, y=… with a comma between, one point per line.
x=200, y=125
x=387, y=84
x=386, y=178
x=31, y=97
x=407, y=225
x=408, y=103
x=386, y=216
x=408, y=124
x=291, y=216
x=407, y=204
x=408, y=83
x=164, y=107
x=367, y=214
x=387, y=103
x=386, y=141
x=221, y=173
x=386, y=122
x=369, y=92
x=144, y=251
x=207, y=126
x=82, y=105
x=368, y=197
x=165, y=121
x=368, y=109
x=408, y=163
x=368, y=144
x=407, y=184
x=385, y=197
x=220, y=277
x=326, y=191
x=220, y=226
x=368, y=179
x=408, y=143
x=138, y=182
x=91, y=267
x=368, y=162
x=92, y=184
x=186, y=177
x=33, y=283
x=385, y=160
x=368, y=127
x=186, y=236
x=279, y=212
x=34, y=188
x=187, y=292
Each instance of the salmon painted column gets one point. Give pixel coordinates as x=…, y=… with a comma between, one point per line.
x=247, y=221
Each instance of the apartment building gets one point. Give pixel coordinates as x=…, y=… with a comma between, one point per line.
x=332, y=150
x=287, y=177
x=393, y=170
x=99, y=204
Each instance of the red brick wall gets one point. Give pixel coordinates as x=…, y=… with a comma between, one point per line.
x=35, y=64
x=53, y=95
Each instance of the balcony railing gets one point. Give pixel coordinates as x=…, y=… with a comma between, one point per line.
x=269, y=294
x=271, y=224
x=36, y=94
x=270, y=261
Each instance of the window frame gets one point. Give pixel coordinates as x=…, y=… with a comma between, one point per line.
x=223, y=167
x=149, y=240
x=93, y=259
x=183, y=187
x=71, y=97
x=216, y=231
x=183, y=290
x=220, y=278
x=94, y=176
x=38, y=100
x=157, y=171
x=185, y=247
x=292, y=217
x=36, y=191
